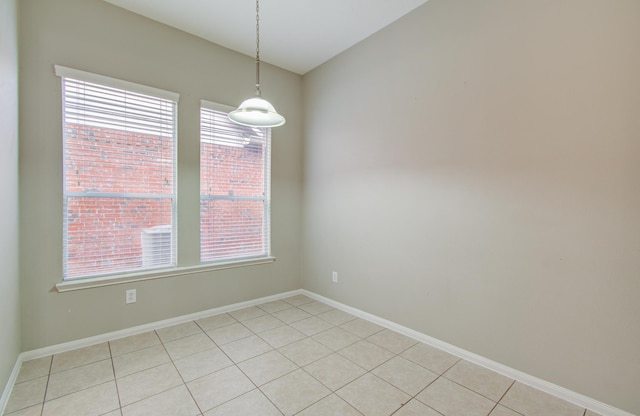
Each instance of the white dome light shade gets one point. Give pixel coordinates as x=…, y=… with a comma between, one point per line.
x=256, y=112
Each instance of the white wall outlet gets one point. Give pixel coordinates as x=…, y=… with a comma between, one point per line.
x=334, y=277
x=130, y=296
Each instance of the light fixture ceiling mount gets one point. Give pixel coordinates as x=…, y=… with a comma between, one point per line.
x=256, y=111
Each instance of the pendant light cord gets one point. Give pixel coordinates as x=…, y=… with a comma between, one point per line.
x=258, y=92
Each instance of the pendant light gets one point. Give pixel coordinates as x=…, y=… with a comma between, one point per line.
x=256, y=111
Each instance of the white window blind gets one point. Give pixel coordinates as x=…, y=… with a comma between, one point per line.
x=119, y=176
x=234, y=188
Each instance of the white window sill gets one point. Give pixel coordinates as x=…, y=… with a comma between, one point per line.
x=79, y=284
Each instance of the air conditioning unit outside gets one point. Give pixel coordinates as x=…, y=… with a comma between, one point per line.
x=156, y=246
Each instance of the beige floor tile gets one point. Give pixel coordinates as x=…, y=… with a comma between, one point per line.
x=284, y=335
x=97, y=400
x=481, y=380
x=174, y=402
x=373, y=396
x=30, y=411
x=201, y=364
x=172, y=333
x=430, y=358
x=140, y=360
x=405, y=375
x=247, y=313
x=362, y=328
x=267, y=367
x=246, y=348
x=330, y=405
x=503, y=411
x=275, y=306
x=392, y=341
x=311, y=326
x=81, y=356
x=336, y=338
x=190, y=345
x=305, y=351
x=220, y=387
x=294, y=392
x=315, y=308
x=291, y=315
x=229, y=333
x=590, y=413
x=263, y=323
x=253, y=403
x=451, y=399
x=216, y=321
x=336, y=317
x=134, y=343
x=298, y=300
x=26, y=394
x=415, y=408
x=79, y=378
x=334, y=371
x=32, y=369
x=532, y=402
x=366, y=354
x=147, y=383
x=335, y=358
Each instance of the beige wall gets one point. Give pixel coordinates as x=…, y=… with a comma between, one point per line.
x=473, y=172
x=95, y=36
x=9, y=283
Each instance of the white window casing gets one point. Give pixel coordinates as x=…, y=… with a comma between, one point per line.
x=119, y=154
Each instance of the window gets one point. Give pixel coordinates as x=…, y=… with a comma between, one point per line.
x=234, y=188
x=119, y=153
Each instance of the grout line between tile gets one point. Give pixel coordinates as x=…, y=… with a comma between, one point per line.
x=44, y=398
x=503, y=396
x=184, y=383
x=298, y=367
x=115, y=379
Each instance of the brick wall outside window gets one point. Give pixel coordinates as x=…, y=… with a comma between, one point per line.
x=101, y=231
x=231, y=226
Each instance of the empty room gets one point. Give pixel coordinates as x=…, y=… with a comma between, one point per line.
x=346, y=207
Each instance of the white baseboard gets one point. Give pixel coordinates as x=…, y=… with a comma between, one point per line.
x=550, y=388
x=8, y=388
x=110, y=336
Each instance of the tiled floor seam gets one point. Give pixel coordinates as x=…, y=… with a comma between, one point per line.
x=365, y=373
x=234, y=364
x=115, y=379
x=184, y=383
x=256, y=386
x=44, y=398
x=502, y=397
x=257, y=333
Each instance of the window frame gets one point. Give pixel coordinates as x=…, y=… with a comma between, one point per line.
x=179, y=269
x=266, y=253
x=103, y=81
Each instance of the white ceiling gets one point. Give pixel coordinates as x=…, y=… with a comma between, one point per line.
x=297, y=35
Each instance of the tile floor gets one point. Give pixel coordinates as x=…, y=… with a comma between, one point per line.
x=295, y=356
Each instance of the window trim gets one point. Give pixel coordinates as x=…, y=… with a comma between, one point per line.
x=64, y=72
x=102, y=80
x=266, y=224
x=103, y=280
x=93, y=282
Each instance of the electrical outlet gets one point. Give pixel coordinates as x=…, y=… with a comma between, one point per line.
x=130, y=296
x=334, y=277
